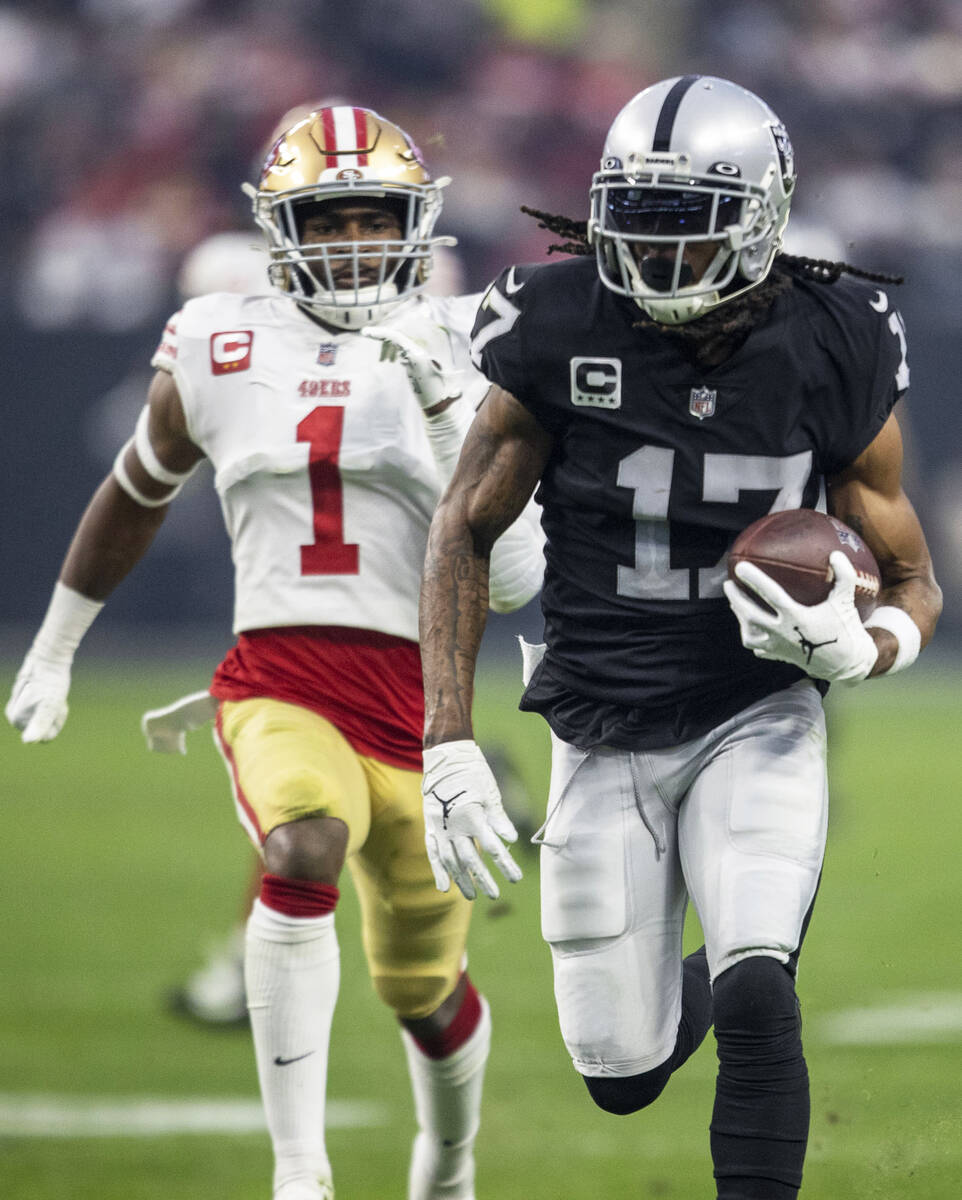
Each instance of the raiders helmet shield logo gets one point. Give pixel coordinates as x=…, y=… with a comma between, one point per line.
x=701, y=402
x=786, y=155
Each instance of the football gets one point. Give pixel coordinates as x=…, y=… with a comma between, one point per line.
x=793, y=548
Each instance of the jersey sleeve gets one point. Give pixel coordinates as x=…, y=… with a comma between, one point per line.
x=211, y=337
x=874, y=365
x=176, y=355
x=496, y=341
x=501, y=344
x=165, y=356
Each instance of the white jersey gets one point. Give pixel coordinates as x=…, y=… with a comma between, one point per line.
x=322, y=465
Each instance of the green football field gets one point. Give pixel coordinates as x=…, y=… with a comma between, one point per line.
x=119, y=866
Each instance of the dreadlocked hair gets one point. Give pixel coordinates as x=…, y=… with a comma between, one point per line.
x=818, y=270
x=565, y=227
x=823, y=270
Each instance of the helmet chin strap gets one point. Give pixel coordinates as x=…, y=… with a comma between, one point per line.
x=658, y=273
x=679, y=310
x=366, y=306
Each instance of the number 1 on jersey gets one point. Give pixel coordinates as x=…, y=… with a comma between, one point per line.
x=328, y=554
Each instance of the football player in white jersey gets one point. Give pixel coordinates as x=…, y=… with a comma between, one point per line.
x=330, y=451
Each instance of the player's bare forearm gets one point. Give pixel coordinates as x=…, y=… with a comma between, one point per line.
x=869, y=499
x=112, y=536
x=454, y=605
x=908, y=581
x=501, y=461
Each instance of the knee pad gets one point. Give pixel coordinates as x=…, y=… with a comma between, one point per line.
x=411, y=993
x=627, y=1093
x=755, y=996
x=758, y=1028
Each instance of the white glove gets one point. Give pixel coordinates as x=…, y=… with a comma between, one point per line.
x=462, y=810
x=38, y=702
x=827, y=640
x=166, y=729
x=425, y=374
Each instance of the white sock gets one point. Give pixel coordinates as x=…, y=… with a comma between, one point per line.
x=447, y=1100
x=292, y=973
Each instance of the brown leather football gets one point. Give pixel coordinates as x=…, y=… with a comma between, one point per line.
x=793, y=548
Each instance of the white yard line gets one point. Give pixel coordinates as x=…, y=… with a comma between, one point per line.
x=53, y=1116
x=913, y=1019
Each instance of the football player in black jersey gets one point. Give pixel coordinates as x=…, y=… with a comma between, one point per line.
x=661, y=391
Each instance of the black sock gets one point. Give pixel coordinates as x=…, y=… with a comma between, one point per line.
x=759, y=1128
x=696, y=1007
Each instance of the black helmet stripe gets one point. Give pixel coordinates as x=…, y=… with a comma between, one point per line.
x=669, y=110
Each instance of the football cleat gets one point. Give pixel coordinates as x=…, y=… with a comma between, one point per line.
x=215, y=994
x=302, y=1189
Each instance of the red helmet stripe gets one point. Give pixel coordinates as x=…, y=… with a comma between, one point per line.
x=330, y=136
x=345, y=136
x=360, y=124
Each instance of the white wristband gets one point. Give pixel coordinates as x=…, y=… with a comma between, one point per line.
x=908, y=635
x=69, y=615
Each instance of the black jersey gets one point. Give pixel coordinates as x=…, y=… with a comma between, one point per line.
x=657, y=464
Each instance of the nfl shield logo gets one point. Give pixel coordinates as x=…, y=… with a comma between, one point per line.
x=848, y=538
x=326, y=354
x=701, y=403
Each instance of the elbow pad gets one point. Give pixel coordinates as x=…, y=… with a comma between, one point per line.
x=517, y=563
x=446, y=433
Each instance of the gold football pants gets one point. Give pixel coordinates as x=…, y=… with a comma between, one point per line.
x=286, y=763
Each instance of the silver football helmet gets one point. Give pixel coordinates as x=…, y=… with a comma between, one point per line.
x=692, y=161
x=336, y=153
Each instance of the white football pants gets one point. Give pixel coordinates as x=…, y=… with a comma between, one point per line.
x=735, y=820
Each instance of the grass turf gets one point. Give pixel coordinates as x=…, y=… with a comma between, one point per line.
x=118, y=865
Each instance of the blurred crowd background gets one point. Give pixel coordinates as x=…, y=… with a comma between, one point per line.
x=127, y=127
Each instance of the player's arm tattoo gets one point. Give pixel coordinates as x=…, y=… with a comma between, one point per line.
x=454, y=601
x=500, y=464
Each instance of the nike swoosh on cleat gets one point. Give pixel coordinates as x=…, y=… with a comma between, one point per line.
x=286, y=1062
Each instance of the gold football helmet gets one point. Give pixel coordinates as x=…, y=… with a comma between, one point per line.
x=346, y=152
